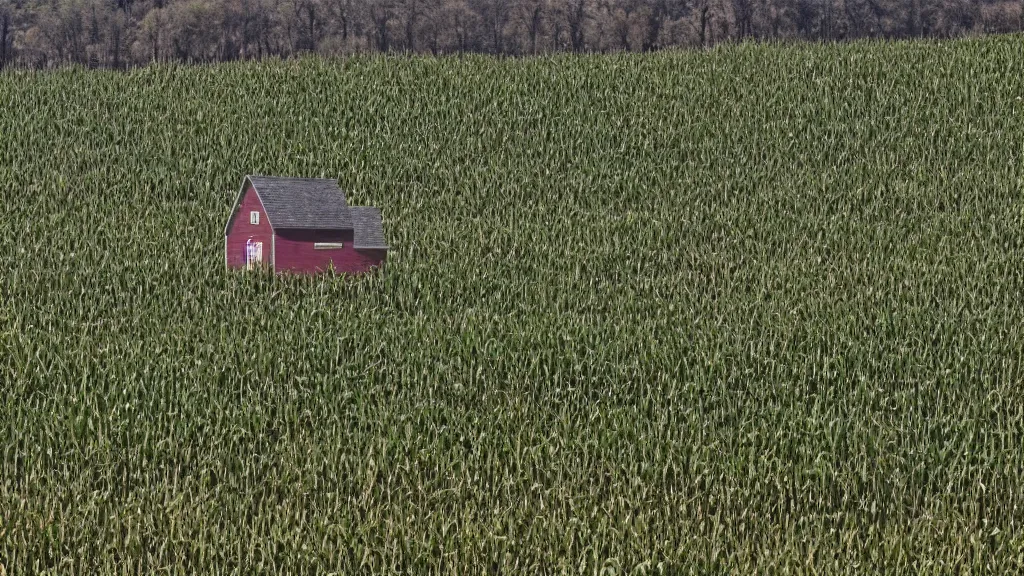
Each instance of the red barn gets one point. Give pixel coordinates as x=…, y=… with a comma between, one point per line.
x=301, y=225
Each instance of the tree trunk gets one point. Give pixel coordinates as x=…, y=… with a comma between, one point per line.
x=827, y=28
x=311, y=15
x=410, y=27
x=854, y=26
x=704, y=26
x=496, y=34
x=655, y=21
x=116, y=32
x=576, y=33
x=4, y=32
x=535, y=26
x=458, y=35
x=381, y=23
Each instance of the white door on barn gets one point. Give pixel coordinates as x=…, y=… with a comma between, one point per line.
x=253, y=254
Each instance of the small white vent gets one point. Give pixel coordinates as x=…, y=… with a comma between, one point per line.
x=327, y=245
x=254, y=217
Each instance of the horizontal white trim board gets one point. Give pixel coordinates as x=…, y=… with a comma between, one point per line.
x=327, y=245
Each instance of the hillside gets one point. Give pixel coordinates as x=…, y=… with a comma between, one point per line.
x=752, y=308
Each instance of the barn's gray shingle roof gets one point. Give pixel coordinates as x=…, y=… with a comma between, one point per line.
x=368, y=229
x=303, y=202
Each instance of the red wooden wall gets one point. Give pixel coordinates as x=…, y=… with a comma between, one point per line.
x=295, y=252
x=241, y=231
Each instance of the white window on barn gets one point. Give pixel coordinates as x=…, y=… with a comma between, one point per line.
x=253, y=254
x=327, y=245
x=254, y=217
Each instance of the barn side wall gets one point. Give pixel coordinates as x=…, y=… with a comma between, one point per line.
x=296, y=253
x=241, y=231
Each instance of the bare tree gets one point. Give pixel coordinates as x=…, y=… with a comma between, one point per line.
x=382, y=13
x=5, y=33
x=340, y=13
x=743, y=17
x=410, y=12
x=493, y=15
x=616, y=24
x=151, y=35
x=307, y=13
x=118, y=27
x=575, y=14
x=64, y=27
x=700, y=19
x=531, y=13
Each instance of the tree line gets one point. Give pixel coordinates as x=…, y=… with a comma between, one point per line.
x=123, y=33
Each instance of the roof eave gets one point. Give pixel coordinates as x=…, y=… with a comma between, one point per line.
x=326, y=229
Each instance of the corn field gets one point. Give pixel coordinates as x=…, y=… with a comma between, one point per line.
x=756, y=309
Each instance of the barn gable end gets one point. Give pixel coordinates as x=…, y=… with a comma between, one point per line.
x=240, y=230
x=247, y=187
